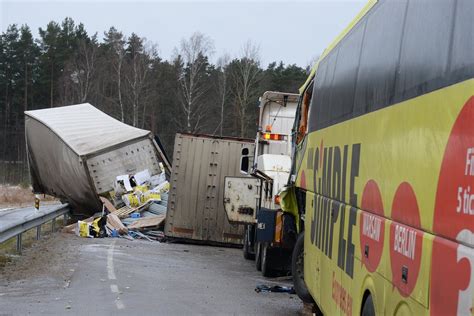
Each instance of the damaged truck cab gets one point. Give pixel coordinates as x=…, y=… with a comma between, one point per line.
x=270, y=233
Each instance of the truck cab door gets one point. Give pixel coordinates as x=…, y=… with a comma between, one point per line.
x=241, y=199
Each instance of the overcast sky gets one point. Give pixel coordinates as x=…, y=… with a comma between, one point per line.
x=290, y=31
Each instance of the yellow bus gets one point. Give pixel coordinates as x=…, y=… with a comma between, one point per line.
x=384, y=164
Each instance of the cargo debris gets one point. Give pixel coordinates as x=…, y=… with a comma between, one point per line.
x=130, y=221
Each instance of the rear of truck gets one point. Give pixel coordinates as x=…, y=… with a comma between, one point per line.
x=269, y=232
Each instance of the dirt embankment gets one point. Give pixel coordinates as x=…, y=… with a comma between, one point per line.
x=52, y=258
x=17, y=196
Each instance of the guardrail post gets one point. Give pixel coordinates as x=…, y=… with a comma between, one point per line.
x=38, y=232
x=35, y=222
x=18, y=243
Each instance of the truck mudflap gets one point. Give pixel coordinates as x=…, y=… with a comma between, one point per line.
x=241, y=198
x=266, y=225
x=276, y=227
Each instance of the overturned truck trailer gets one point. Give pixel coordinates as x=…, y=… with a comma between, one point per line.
x=75, y=153
x=195, y=207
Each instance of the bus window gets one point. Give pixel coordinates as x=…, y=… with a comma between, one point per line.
x=462, y=52
x=345, y=75
x=379, y=58
x=425, y=47
x=320, y=114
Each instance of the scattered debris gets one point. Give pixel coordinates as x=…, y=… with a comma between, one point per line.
x=147, y=222
x=275, y=289
x=131, y=211
x=114, y=224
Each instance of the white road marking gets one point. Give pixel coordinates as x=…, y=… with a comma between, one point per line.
x=114, y=288
x=119, y=304
x=111, y=274
x=110, y=262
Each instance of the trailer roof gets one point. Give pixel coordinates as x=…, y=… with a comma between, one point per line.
x=84, y=128
x=275, y=96
x=232, y=138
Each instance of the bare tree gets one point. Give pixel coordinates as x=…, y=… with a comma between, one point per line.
x=245, y=77
x=84, y=64
x=67, y=84
x=79, y=71
x=194, y=52
x=222, y=86
x=151, y=95
x=138, y=66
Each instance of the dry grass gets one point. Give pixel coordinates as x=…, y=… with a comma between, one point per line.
x=18, y=196
x=8, y=248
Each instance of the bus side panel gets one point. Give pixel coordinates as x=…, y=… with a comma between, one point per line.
x=330, y=253
x=375, y=254
x=389, y=163
x=342, y=264
x=452, y=287
x=333, y=295
x=322, y=274
x=404, y=143
x=312, y=259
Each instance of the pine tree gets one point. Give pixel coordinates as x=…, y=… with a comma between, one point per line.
x=29, y=60
x=50, y=59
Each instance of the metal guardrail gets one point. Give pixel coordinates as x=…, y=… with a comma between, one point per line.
x=16, y=229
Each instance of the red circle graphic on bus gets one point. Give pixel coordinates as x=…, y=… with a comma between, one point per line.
x=372, y=229
x=452, y=267
x=303, y=181
x=405, y=240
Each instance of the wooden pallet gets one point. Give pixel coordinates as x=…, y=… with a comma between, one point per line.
x=146, y=222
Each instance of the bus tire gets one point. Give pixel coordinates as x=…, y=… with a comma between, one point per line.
x=258, y=256
x=267, y=269
x=297, y=271
x=368, y=309
x=247, y=254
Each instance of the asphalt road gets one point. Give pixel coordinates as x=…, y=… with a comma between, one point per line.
x=116, y=276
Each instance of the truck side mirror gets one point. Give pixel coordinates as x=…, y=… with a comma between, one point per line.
x=244, y=161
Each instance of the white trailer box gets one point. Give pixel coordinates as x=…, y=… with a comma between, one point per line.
x=195, y=205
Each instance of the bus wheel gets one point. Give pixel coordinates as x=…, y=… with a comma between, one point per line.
x=247, y=254
x=368, y=308
x=258, y=256
x=267, y=270
x=297, y=270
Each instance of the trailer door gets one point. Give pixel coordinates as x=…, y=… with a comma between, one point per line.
x=241, y=199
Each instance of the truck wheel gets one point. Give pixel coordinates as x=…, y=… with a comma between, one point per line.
x=368, y=309
x=267, y=270
x=247, y=254
x=258, y=256
x=297, y=270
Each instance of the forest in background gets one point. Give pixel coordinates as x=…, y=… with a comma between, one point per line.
x=124, y=76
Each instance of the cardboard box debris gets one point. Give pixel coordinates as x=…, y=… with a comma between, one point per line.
x=145, y=211
x=113, y=222
x=148, y=222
